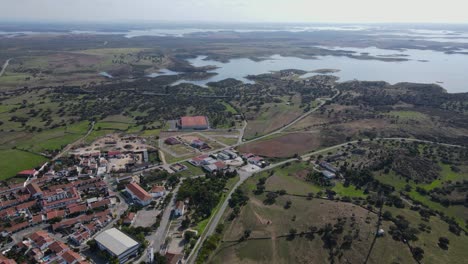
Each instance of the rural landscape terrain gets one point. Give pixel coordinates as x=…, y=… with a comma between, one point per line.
x=105, y=136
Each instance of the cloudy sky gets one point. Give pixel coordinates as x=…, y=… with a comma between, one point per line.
x=451, y=11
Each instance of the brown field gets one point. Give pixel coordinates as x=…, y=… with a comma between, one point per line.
x=270, y=221
x=272, y=116
x=285, y=145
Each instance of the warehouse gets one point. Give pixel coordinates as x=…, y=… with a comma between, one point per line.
x=117, y=244
x=193, y=123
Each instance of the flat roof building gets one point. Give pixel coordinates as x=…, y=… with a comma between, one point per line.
x=117, y=244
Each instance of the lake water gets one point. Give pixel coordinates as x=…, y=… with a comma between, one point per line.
x=448, y=70
x=105, y=74
x=162, y=72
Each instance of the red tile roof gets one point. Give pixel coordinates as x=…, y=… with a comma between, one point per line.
x=189, y=121
x=220, y=165
x=4, y=260
x=25, y=205
x=36, y=219
x=18, y=227
x=113, y=153
x=158, y=188
x=129, y=218
x=75, y=208
x=27, y=172
x=55, y=213
x=70, y=256
x=41, y=237
x=58, y=247
x=100, y=203
x=139, y=192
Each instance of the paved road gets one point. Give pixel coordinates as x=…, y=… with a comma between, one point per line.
x=213, y=223
x=5, y=65
x=160, y=234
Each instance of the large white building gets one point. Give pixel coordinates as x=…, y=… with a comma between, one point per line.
x=117, y=244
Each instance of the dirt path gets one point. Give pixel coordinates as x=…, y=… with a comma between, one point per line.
x=5, y=65
x=69, y=146
x=162, y=156
x=299, y=118
x=274, y=248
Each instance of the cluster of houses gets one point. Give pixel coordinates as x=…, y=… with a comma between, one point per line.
x=40, y=247
x=47, y=199
x=73, y=201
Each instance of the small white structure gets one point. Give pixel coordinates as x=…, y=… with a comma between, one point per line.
x=381, y=232
x=158, y=191
x=179, y=209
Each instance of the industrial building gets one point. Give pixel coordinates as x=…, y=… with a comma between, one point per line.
x=117, y=244
x=193, y=123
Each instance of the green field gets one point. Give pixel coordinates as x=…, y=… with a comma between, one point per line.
x=54, y=139
x=112, y=126
x=13, y=161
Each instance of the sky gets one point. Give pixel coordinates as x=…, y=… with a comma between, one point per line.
x=322, y=11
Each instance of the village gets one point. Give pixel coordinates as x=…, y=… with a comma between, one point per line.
x=81, y=201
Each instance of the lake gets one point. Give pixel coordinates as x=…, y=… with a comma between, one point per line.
x=424, y=66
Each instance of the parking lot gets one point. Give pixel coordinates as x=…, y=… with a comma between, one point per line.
x=146, y=217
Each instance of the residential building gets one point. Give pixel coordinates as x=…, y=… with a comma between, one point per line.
x=171, y=141
x=34, y=190
x=4, y=260
x=198, y=144
x=179, y=209
x=217, y=166
x=158, y=191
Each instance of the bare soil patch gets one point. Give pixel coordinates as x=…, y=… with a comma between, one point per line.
x=284, y=146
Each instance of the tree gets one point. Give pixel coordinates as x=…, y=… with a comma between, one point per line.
x=418, y=253
x=160, y=259
x=288, y=204
x=271, y=198
x=443, y=243
x=189, y=235
x=387, y=215
x=185, y=223
x=292, y=234
x=246, y=235
x=219, y=228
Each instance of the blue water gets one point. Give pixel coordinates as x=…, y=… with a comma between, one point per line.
x=447, y=70
x=105, y=74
